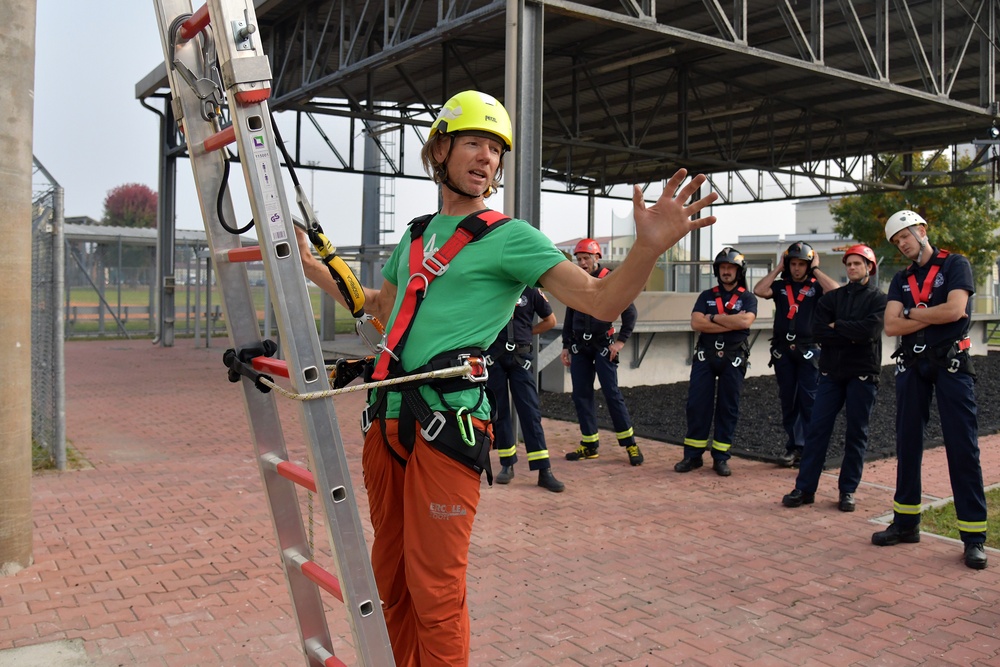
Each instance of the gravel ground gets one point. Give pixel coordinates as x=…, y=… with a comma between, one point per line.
x=658, y=413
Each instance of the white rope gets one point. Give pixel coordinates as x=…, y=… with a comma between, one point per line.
x=465, y=369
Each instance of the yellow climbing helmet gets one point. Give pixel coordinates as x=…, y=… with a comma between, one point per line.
x=472, y=110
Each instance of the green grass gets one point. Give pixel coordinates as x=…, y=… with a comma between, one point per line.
x=139, y=325
x=942, y=521
x=41, y=459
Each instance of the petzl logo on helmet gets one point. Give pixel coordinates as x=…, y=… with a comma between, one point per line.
x=492, y=119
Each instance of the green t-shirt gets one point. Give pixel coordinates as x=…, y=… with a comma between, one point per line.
x=472, y=301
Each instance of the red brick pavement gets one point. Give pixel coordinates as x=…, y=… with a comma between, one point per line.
x=162, y=553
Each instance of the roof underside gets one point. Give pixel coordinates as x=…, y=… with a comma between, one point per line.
x=630, y=91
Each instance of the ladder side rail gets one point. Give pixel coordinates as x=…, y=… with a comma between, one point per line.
x=244, y=331
x=242, y=62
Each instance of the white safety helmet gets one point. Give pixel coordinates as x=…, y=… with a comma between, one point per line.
x=901, y=220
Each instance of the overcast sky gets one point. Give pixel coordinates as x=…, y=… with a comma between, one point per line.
x=93, y=135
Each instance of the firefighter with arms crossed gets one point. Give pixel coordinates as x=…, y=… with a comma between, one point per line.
x=848, y=324
x=722, y=317
x=796, y=284
x=591, y=346
x=427, y=443
x=929, y=308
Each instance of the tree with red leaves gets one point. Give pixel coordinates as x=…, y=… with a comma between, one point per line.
x=130, y=205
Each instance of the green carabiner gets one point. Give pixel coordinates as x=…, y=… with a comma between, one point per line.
x=465, y=433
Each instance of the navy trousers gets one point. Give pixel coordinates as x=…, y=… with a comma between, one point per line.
x=715, y=382
x=508, y=372
x=956, y=402
x=831, y=394
x=797, y=378
x=583, y=366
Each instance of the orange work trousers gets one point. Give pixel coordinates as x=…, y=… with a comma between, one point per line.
x=422, y=515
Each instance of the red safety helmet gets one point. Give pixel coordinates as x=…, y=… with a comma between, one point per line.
x=865, y=252
x=589, y=246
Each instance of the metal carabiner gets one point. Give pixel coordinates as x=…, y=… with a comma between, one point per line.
x=467, y=435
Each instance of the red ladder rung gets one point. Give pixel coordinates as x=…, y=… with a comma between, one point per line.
x=322, y=578
x=297, y=474
x=247, y=254
x=270, y=365
x=198, y=22
x=219, y=139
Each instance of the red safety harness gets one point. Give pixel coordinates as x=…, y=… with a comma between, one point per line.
x=728, y=308
x=921, y=294
x=423, y=271
x=451, y=432
x=793, y=303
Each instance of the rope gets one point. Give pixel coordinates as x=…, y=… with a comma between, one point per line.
x=465, y=369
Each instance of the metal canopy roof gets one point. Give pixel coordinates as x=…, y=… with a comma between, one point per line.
x=789, y=93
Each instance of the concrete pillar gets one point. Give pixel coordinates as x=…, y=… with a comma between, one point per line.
x=17, y=80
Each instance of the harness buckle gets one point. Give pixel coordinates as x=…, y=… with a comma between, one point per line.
x=475, y=363
x=954, y=365
x=808, y=355
x=790, y=337
x=720, y=344
x=488, y=360
x=366, y=420
x=433, y=265
x=737, y=361
x=587, y=335
x=527, y=364
x=775, y=353
x=700, y=355
x=919, y=349
x=510, y=346
x=432, y=430
x=574, y=349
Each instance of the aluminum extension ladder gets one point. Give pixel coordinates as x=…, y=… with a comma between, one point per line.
x=214, y=58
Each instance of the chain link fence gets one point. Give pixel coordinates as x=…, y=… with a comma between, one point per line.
x=48, y=427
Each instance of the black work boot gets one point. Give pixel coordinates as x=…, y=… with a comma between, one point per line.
x=721, y=469
x=846, y=503
x=547, y=480
x=687, y=464
x=975, y=555
x=894, y=535
x=505, y=475
x=798, y=498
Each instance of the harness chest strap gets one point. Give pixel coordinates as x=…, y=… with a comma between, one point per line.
x=728, y=307
x=921, y=294
x=423, y=271
x=793, y=303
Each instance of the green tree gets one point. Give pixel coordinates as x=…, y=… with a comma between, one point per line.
x=962, y=219
x=130, y=205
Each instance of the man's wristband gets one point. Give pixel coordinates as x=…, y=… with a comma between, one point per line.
x=711, y=318
x=906, y=313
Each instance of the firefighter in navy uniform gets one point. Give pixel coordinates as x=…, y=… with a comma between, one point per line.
x=591, y=346
x=929, y=308
x=796, y=285
x=511, y=375
x=722, y=316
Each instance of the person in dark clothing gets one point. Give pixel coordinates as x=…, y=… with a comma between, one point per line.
x=796, y=284
x=512, y=376
x=722, y=316
x=929, y=307
x=848, y=324
x=591, y=346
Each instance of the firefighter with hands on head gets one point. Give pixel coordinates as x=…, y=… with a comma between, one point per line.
x=722, y=317
x=848, y=324
x=512, y=376
x=591, y=346
x=929, y=308
x=796, y=284
x=427, y=441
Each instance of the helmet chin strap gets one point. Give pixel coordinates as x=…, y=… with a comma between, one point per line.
x=921, y=240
